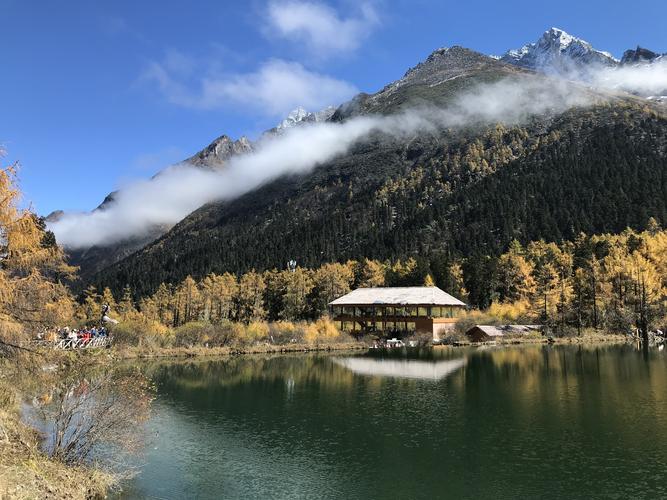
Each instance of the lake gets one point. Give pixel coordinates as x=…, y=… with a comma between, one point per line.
x=538, y=421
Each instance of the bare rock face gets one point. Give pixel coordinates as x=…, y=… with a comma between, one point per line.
x=216, y=154
x=639, y=55
x=54, y=216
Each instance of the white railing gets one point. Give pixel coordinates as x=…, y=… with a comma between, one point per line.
x=92, y=343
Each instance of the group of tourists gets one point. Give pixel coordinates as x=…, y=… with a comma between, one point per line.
x=86, y=333
x=81, y=337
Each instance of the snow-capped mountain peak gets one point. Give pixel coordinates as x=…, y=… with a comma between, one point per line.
x=558, y=52
x=300, y=115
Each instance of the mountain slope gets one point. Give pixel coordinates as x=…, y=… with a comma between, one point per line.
x=435, y=81
x=95, y=258
x=459, y=191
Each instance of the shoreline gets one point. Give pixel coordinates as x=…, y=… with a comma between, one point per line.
x=29, y=473
x=584, y=339
x=124, y=353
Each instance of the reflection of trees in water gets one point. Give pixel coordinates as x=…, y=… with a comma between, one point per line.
x=299, y=368
x=201, y=375
x=92, y=411
x=566, y=380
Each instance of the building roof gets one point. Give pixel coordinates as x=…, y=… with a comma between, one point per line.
x=491, y=331
x=499, y=331
x=410, y=295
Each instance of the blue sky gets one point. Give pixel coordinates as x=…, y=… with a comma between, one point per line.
x=95, y=94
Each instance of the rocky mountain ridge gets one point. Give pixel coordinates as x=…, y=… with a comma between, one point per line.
x=453, y=190
x=558, y=52
x=433, y=82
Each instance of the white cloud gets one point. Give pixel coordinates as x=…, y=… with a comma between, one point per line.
x=274, y=89
x=176, y=192
x=644, y=79
x=319, y=26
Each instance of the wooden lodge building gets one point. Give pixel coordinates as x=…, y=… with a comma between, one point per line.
x=397, y=311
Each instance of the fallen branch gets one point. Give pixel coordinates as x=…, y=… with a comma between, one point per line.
x=18, y=347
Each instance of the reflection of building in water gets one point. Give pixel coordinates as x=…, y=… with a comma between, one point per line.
x=397, y=310
x=401, y=368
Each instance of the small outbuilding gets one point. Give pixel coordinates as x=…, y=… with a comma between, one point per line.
x=487, y=333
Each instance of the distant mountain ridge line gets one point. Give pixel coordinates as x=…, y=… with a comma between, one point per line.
x=466, y=66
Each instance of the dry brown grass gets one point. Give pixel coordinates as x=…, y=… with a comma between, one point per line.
x=27, y=473
x=260, y=348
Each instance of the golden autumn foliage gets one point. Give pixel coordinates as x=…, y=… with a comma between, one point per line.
x=32, y=268
x=321, y=331
x=612, y=281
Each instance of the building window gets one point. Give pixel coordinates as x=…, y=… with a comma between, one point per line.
x=410, y=326
x=423, y=312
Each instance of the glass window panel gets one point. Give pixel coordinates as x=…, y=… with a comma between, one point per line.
x=411, y=326
x=390, y=326
x=423, y=311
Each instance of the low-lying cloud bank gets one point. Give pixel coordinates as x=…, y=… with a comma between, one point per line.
x=177, y=191
x=643, y=79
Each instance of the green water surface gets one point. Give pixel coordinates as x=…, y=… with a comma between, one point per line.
x=525, y=422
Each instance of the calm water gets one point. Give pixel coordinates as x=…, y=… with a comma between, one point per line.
x=547, y=422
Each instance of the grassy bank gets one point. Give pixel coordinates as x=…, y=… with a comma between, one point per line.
x=588, y=338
